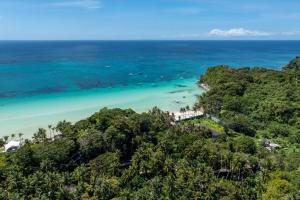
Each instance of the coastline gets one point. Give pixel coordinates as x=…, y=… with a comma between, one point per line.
x=205, y=86
x=26, y=115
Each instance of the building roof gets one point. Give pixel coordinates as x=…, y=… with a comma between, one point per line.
x=274, y=145
x=12, y=145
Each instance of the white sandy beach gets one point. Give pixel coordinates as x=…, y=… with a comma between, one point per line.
x=28, y=114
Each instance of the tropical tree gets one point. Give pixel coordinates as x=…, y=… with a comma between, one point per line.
x=50, y=129
x=5, y=138
x=40, y=136
x=2, y=142
x=20, y=136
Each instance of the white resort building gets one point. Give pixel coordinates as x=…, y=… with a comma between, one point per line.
x=12, y=146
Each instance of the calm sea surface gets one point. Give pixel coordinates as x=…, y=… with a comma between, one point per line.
x=42, y=82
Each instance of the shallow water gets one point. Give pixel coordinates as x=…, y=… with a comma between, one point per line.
x=43, y=82
x=26, y=114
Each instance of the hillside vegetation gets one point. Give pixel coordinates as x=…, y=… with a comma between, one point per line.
x=120, y=154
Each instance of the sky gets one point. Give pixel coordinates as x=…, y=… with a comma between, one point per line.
x=149, y=19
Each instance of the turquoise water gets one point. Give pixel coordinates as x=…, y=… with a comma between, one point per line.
x=27, y=114
x=42, y=82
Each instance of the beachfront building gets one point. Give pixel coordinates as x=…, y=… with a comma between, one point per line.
x=12, y=146
x=179, y=116
x=270, y=145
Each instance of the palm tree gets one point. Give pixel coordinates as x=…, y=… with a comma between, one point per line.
x=187, y=107
x=195, y=108
x=13, y=136
x=50, y=128
x=183, y=110
x=40, y=136
x=173, y=117
x=6, y=138
x=54, y=130
x=20, y=136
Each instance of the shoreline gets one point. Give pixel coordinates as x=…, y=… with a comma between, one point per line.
x=29, y=114
x=205, y=87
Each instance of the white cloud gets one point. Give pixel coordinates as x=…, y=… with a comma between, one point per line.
x=86, y=4
x=237, y=32
x=186, y=10
x=291, y=33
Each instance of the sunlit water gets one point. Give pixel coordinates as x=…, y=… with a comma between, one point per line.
x=44, y=82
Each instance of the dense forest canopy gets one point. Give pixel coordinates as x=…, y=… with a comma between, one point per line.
x=256, y=100
x=120, y=154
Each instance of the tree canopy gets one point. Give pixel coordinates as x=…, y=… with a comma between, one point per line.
x=121, y=154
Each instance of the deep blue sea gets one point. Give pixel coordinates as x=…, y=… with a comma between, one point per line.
x=31, y=68
x=35, y=74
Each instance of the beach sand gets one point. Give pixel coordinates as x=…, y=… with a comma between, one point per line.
x=26, y=115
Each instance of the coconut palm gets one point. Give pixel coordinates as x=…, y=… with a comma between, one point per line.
x=187, y=107
x=53, y=131
x=182, y=110
x=20, y=136
x=50, y=128
x=40, y=136
x=195, y=108
x=6, y=138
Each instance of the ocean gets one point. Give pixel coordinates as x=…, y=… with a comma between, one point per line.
x=43, y=82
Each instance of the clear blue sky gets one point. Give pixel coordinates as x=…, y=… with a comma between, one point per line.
x=152, y=19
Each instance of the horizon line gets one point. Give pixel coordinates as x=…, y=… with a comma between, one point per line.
x=109, y=40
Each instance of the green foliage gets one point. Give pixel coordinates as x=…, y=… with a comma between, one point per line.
x=124, y=155
x=240, y=124
x=91, y=143
x=254, y=96
x=293, y=65
x=265, y=104
x=210, y=124
x=2, y=142
x=107, y=164
x=278, y=130
x=244, y=144
x=280, y=189
x=120, y=154
x=40, y=136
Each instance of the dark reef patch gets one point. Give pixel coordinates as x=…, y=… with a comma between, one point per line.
x=176, y=91
x=8, y=94
x=181, y=86
x=46, y=90
x=89, y=84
